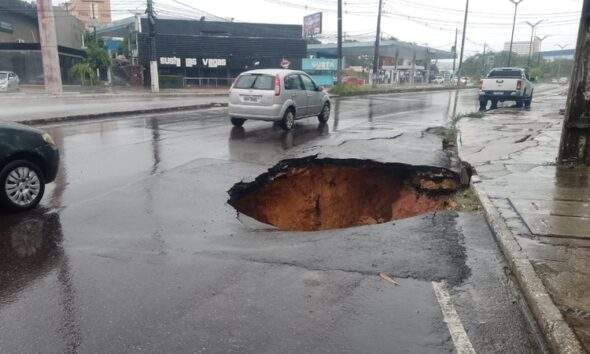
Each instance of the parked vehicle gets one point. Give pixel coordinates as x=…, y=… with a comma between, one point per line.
x=506, y=84
x=277, y=95
x=28, y=160
x=564, y=81
x=9, y=81
x=439, y=80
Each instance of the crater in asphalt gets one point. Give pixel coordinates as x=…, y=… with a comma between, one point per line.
x=311, y=194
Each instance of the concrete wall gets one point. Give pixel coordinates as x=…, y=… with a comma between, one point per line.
x=69, y=29
x=24, y=29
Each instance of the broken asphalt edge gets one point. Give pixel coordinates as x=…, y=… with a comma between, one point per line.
x=82, y=117
x=557, y=332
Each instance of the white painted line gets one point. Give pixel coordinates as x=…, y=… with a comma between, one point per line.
x=460, y=338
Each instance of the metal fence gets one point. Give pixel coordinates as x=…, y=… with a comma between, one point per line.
x=207, y=81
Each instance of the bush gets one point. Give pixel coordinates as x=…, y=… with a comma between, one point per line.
x=84, y=73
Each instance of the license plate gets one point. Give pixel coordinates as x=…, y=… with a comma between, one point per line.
x=498, y=93
x=254, y=99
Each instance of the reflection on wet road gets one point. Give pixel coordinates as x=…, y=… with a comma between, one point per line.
x=134, y=249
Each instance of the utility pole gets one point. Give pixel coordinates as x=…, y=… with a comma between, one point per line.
x=463, y=43
x=484, y=58
x=339, y=73
x=515, y=2
x=533, y=27
x=575, y=139
x=49, y=52
x=455, y=50
x=377, y=43
x=154, y=76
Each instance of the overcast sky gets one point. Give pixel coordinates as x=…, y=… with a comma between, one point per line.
x=409, y=20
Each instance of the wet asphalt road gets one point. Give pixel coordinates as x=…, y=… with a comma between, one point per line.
x=134, y=249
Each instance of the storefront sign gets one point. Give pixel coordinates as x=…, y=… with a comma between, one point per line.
x=320, y=64
x=214, y=63
x=312, y=25
x=285, y=64
x=171, y=61
x=210, y=63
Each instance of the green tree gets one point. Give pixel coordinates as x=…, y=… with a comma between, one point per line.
x=97, y=58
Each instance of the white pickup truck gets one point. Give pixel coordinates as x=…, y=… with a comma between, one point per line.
x=506, y=84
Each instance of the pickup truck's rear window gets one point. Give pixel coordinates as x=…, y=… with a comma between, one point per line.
x=506, y=73
x=255, y=82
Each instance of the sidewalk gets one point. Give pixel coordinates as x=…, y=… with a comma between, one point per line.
x=544, y=211
x=36, y=109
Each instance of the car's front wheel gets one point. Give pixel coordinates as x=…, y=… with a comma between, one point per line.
x=325, y=113
x=237, y=122
x=21, y=185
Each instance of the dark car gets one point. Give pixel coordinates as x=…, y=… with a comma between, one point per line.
x=28, y=160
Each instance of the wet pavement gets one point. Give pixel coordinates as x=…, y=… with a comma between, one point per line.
x=134, y=248
x=546, y=207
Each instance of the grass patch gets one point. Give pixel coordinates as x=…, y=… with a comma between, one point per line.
x=466, y=201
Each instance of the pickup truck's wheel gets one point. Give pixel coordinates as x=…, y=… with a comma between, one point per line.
x=519, y=104
x=483, y=104
x=237, y=122
x=528, y=101
x=21, y=185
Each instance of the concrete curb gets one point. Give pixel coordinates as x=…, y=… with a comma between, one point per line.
x=82, y=117
x=557, y=332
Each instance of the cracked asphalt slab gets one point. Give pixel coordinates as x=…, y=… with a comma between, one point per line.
x=134, y=248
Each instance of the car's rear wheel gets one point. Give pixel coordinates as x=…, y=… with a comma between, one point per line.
x=325, y=113
x=21, y=185
x=237, y=122
x=288, y=121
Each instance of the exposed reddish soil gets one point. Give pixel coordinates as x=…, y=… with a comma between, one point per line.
x=330, y=196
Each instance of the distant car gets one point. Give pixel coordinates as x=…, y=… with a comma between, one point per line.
x=277, y=95
x=506, y=84
x=439, y=80
x=9, y=81
x=564, y=81
x=28, y=160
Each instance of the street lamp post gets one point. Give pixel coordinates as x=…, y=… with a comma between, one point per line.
x=540, y=47
x=533, y=27
x=515, y=2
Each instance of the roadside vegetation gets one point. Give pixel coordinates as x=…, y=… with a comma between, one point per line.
x=97, y=60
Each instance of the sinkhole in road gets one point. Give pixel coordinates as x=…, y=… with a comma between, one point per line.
x=318, y=194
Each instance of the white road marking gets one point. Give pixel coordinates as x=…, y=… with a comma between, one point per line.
x=460, y=338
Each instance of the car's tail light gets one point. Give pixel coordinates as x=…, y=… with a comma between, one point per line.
x=481, y=84
x=277, y=85
x=519, y=85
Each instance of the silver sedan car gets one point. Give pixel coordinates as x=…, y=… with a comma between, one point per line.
x=9, y=81
x=277, y=95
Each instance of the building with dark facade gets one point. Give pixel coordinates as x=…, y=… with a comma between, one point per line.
x=20, y=50
x=198, y=53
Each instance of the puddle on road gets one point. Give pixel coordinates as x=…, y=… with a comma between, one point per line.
x=309, y=194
